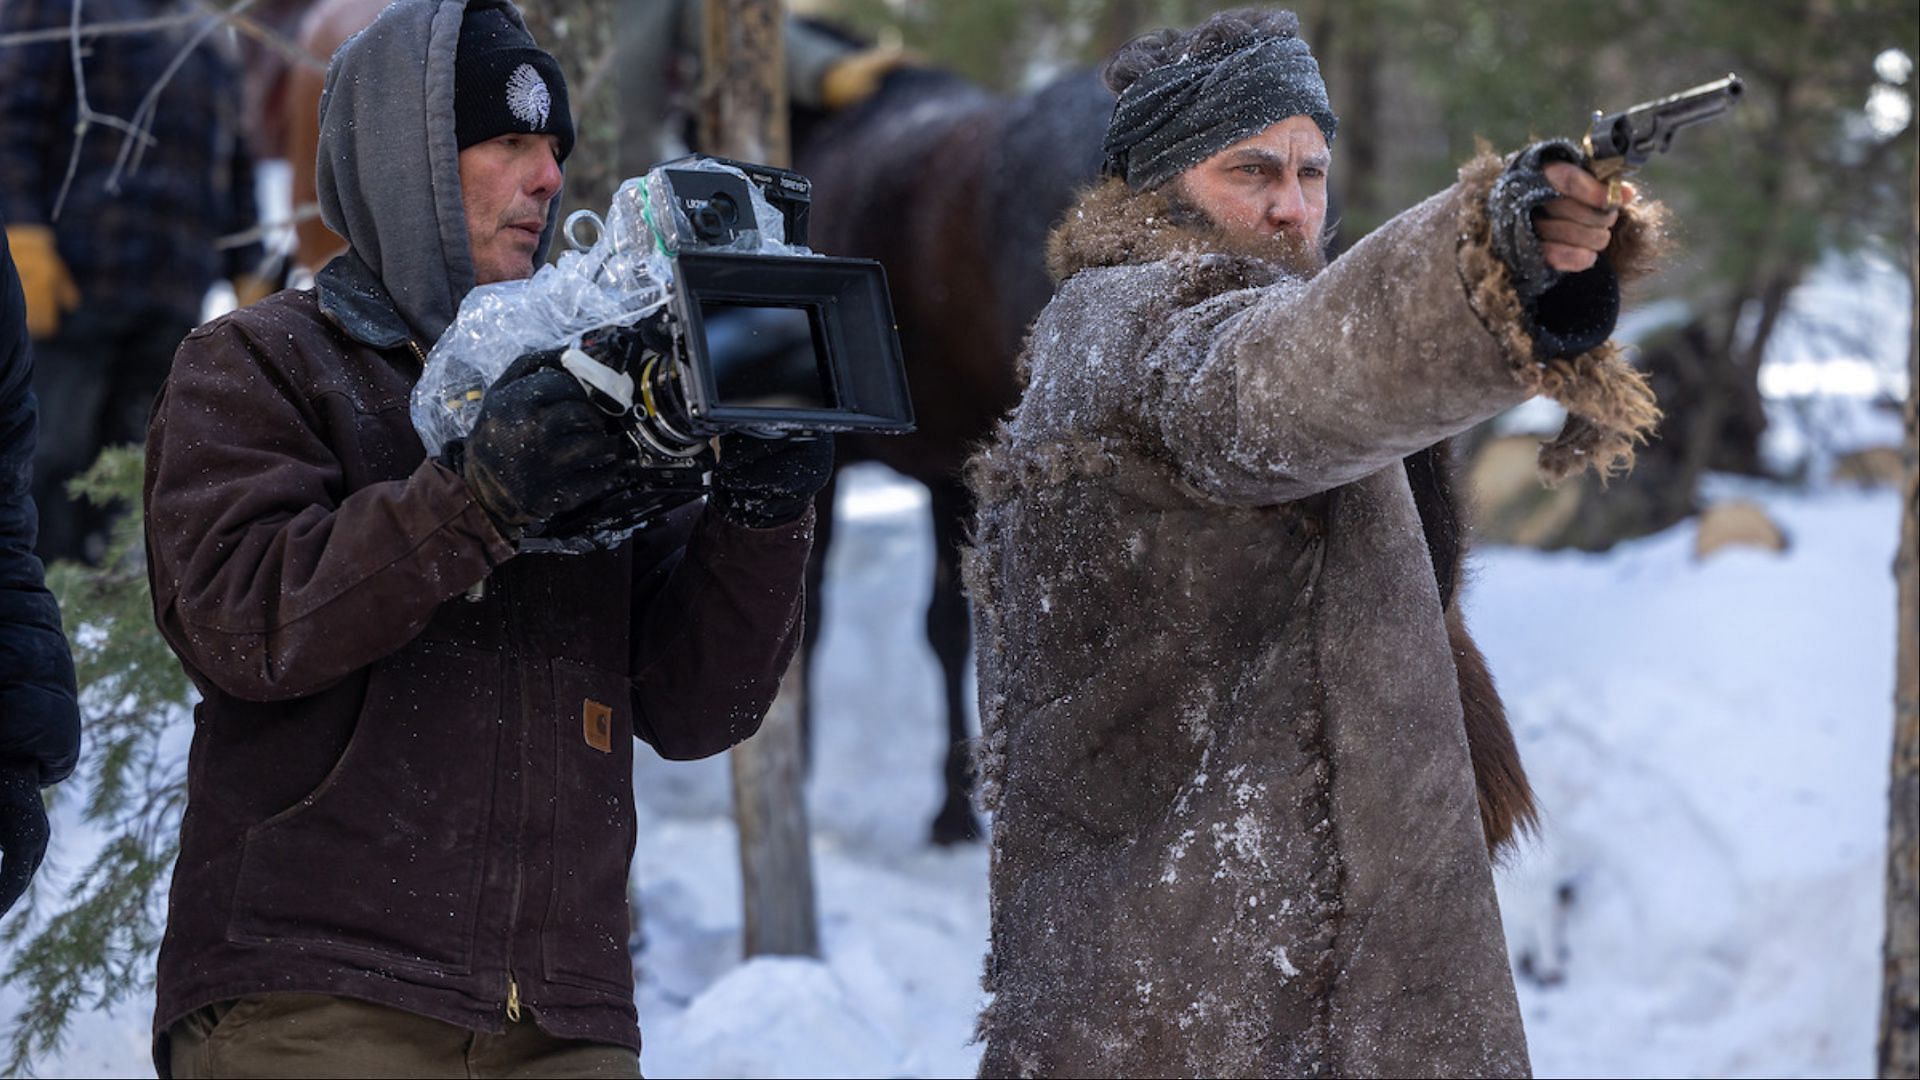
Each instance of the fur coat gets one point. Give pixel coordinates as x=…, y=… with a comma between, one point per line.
x=1237, y=829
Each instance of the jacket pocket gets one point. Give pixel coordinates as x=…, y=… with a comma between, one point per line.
x=584, y=939
x=384, y=858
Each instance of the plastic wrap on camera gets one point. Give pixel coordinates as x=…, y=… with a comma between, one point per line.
x=624, y=276
x=770, y=237
x=619, y=280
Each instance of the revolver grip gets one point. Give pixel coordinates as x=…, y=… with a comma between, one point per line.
x=1610, y=169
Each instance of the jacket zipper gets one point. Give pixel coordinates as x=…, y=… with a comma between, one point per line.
x=516, y=648
x=513, y=911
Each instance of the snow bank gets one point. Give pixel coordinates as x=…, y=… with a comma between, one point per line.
x=1709, y=740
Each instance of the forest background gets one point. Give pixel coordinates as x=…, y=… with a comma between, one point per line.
x=1815, y=171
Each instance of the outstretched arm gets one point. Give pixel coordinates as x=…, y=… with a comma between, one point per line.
x=1305, y=386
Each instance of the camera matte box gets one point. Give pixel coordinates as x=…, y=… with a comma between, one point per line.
x=858, y=381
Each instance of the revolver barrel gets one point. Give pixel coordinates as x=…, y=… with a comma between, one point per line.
x=1618, y=142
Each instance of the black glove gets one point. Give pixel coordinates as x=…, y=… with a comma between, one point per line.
x=23, y=829
x=1567, y=314
x=761, y=483
x=540, y=448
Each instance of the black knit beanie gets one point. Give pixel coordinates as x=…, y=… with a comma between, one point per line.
x=504, y=83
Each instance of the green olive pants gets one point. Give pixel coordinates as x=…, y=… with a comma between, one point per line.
x=317, y=1035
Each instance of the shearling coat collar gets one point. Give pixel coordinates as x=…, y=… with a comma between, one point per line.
x=1112, y=226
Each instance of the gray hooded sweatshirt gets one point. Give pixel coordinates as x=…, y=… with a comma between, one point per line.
x=378, y=139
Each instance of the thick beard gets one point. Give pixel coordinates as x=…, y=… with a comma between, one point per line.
x=1289, y=249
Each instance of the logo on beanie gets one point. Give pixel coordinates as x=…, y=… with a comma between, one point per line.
x=527, y=96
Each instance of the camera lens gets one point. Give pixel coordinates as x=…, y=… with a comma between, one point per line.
x=714, y=222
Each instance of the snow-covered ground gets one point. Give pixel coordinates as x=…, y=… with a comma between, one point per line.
x=1710, y=741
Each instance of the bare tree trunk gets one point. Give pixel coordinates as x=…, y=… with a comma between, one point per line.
x=743, y=85
x=1361, y=58
x=1743, y=418
x=769, y=803
x=1117, y=23
x=743, y=114
x=581, y=35
x=1900, y=1003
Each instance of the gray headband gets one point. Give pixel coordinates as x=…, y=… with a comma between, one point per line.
x=1179, y=114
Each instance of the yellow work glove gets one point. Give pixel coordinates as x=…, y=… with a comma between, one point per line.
x=50, y=290
x=855, y=79
x=249, y=289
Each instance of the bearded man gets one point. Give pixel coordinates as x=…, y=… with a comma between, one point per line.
x=1232, y=723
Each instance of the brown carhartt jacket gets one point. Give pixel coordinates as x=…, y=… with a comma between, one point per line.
x=397, y=792
x=1235, y=825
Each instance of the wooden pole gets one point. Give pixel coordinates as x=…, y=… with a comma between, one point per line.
x=1899, y=1050
x=743, y=83
x=743, y=115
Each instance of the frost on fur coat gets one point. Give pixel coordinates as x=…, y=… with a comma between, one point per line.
x=1237, y=829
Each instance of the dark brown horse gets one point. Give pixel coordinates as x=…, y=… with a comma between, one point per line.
x=954, y=190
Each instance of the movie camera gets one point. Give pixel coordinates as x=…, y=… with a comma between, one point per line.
x=723, y=323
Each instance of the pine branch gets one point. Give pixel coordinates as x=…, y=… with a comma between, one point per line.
x=93, y=954
x=95, y=949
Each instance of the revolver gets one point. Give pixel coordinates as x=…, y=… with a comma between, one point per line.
x=1619, y=143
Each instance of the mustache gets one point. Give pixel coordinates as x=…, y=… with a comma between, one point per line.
x=1291, y=249
x=1296, y=252
x=532, y=216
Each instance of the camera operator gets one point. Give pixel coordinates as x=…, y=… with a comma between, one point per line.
x=410, y=808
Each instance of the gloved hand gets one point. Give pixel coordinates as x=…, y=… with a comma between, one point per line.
x=23, y=829
x=49, y=289
x=1538, y=229
x=1519, y=192
x=761, y=483
x=540, y=448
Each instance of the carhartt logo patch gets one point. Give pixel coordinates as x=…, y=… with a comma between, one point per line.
x=596, y=722
x=528, y=97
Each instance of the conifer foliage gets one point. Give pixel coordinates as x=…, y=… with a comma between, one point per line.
x=85, y=936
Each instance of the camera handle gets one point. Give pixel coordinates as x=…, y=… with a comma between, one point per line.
x=584, y=243
x=594, y=375
x=571, y=229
